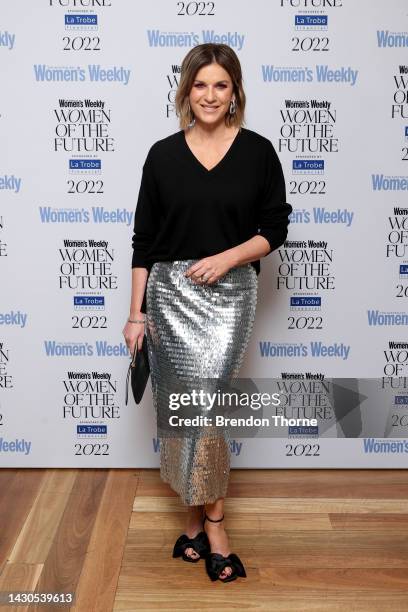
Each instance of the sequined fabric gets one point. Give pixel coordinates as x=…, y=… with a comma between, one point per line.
x=196, y=331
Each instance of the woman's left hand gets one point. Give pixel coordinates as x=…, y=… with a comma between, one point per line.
x=209, y=269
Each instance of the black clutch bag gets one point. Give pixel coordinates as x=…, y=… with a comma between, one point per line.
x=138, y=372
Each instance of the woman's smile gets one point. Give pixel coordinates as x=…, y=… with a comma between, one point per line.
x=209, y=109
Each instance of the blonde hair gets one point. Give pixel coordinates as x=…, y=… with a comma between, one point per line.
x=196, y=58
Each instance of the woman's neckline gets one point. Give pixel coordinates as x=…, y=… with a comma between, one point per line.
x=221, y=161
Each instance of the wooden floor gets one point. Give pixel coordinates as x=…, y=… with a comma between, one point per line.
x=318, y=540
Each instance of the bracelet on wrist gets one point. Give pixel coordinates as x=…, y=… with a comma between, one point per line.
x=137, y=320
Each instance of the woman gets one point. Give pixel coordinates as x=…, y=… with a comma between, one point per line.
x=211, y=204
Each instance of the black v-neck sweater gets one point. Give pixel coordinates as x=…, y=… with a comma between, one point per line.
x=185, y=211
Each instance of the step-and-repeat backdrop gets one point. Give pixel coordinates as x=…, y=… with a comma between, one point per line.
x=87, y=86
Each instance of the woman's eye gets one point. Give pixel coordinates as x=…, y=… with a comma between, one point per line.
x=222, y=85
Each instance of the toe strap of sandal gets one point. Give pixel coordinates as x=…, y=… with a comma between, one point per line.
x=181, y=544
x=237, y=564
x=216, y=563
x=199, y=544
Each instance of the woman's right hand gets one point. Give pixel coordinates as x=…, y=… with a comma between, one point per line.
x=134, y=332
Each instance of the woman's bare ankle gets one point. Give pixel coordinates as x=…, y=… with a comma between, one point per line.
x=194, y=520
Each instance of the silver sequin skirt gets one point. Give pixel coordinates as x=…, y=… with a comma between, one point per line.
x=196, y=331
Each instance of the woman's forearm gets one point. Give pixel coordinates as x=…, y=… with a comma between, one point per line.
x=248, y=251
x=139, y=280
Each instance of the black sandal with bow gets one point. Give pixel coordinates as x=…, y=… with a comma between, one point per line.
x=200, y=544
x=215, y=562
